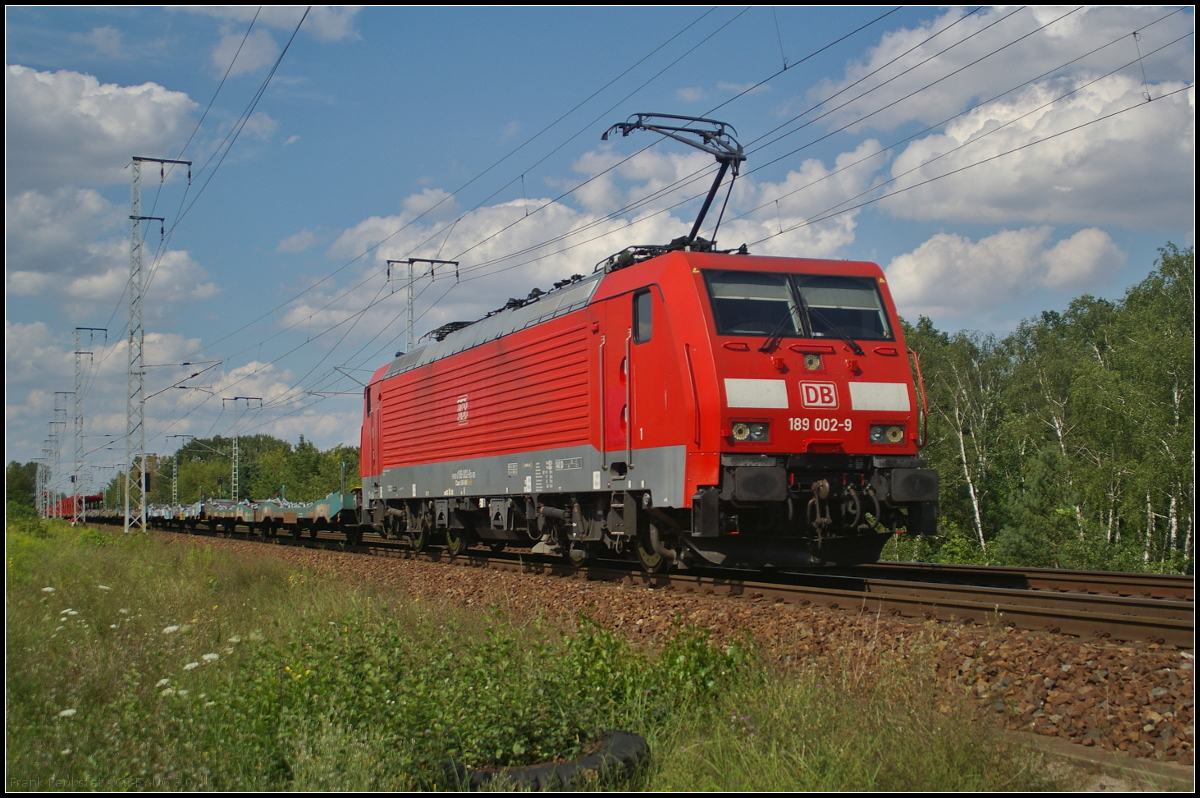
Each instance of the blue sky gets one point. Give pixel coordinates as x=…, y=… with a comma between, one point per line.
x=995, y=164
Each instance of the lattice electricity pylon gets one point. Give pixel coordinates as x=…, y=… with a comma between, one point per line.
x=135, y=409
x=80, y=502
x=248, y=399
x=433, y=264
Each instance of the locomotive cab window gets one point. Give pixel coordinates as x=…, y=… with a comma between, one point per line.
x=750, y=303
x=643, y=326
x=797, y=305
x=849, y=306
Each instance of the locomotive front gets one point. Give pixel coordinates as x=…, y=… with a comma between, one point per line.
x=818, y=417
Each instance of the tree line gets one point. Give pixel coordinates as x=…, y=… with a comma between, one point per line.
x=1069, y=443
x=267, y=467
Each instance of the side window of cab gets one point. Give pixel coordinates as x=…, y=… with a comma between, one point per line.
x=643, y=325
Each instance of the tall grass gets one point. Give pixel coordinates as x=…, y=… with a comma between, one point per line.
x=139, y=664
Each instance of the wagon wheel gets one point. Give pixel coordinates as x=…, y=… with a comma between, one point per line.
x=296, y=531
x=497, y=546
x=457, y=541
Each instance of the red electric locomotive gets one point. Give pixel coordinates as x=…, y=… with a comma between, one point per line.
x=680, y=405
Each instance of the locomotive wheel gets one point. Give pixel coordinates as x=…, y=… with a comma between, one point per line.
x=418, y=538
x=578, y=554
x=456, y=541
x=651, y=561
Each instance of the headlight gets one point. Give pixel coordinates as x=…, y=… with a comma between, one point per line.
x=887, y=433
x=754, y=432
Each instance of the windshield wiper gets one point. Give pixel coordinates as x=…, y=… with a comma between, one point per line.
x=777, y=333
x=838, y=331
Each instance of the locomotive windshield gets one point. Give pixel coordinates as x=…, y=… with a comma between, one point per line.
x=797, y=305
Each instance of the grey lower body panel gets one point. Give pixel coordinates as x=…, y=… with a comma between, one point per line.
x=572, y=469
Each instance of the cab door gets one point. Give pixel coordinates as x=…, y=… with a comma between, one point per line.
x=615, y=348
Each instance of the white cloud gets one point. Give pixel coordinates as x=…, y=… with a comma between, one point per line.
x=298, y=242
x=66, y=128
x=1136, y=168
x=1047, y=51
x=251, y=52
x=105, y=40
x=692, y=94
x=1085, y=259
x=53, y=233
x=436, y=204
x=261, y=126
x=324, y=23
x=952, y=276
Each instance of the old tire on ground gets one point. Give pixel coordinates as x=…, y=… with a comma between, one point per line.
x=620, y=753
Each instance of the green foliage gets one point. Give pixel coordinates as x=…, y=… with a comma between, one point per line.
x=823, y=732
x=428, y=693
x=20, y=484
x=267, y=467
x=186, y=668
x=1069, y=443
x=24, y=518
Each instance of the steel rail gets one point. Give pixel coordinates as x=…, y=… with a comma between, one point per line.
x=1116, y=583
x=1080, y=614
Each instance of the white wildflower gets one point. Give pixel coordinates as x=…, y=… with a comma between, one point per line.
x=183, y=692
x=112, y=626
x=66, y=713
x=191, y=666
x=104, y=587
x=170, y=691
x=256, y=636
x=211, y=704
x=235, y=639
x=162, y=682
x=170, y=630
x=210, y=657
x=65, y=752
x=123, y=611
x=47, y=590
x=59, y=629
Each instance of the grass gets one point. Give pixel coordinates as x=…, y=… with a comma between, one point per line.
x=138, y=664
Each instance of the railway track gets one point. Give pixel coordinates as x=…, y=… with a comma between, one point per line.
x=1148, y=608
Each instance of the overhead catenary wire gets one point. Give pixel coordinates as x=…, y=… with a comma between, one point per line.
x=165, y=240
x=566, y=248
x=956, y=171
x=882, y=16
x=372, y=248
x=425, y=213
x=790, y=228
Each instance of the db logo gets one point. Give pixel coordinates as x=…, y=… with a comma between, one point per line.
x=462, y=409
x=818, y=394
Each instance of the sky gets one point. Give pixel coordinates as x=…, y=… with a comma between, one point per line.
x=996, y=162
